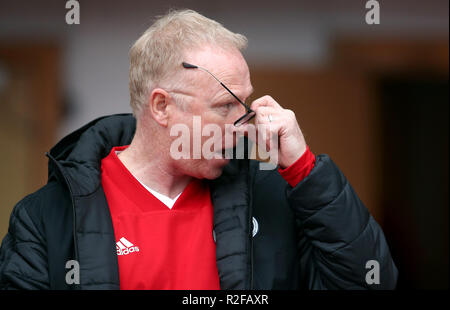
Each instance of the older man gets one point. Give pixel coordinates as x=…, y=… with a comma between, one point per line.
x=120, y=210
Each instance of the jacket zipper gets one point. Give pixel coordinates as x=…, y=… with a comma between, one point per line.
x=251, y=249
x=250, y=224
x=58, y=166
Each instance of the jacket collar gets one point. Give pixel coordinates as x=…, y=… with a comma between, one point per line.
x=80, y=153
x=231, y=198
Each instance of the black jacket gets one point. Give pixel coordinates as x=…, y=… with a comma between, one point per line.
x=318, y=235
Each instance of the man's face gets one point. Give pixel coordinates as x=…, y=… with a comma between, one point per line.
x=213, y=105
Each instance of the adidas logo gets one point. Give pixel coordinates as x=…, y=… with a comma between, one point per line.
x=125, y=247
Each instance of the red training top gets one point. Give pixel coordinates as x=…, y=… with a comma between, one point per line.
x=162, y=248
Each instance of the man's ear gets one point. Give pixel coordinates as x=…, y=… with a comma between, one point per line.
x=158, y=106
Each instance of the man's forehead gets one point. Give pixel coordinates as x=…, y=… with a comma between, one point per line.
x=228, y=66
x=214, y=54
x=223, y=63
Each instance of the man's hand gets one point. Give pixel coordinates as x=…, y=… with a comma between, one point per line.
x=283, y=126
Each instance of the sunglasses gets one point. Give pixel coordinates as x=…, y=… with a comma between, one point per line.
x=244, y=118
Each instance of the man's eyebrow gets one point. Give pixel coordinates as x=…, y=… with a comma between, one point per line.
x=241, y=95
x=251, y=92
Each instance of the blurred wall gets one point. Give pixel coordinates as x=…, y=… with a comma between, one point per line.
x=281, y=34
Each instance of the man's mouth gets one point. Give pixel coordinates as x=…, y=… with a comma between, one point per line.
x=225, y=153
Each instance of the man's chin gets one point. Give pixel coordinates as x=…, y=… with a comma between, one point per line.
x=215, y=168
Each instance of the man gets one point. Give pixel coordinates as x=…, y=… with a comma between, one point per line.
x=131, y=215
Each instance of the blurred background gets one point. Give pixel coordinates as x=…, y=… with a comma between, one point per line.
x=373, y=97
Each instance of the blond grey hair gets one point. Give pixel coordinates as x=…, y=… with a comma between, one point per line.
x=157, y=55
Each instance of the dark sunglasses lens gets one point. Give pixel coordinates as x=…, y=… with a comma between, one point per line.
x=244, y=119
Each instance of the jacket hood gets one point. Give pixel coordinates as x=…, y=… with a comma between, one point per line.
x=79, y=154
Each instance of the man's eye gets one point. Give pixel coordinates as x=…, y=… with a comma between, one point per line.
x=229, y=105
x=224, y=108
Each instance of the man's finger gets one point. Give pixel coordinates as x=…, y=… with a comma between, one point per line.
x=265, y=101
x=263, y=112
